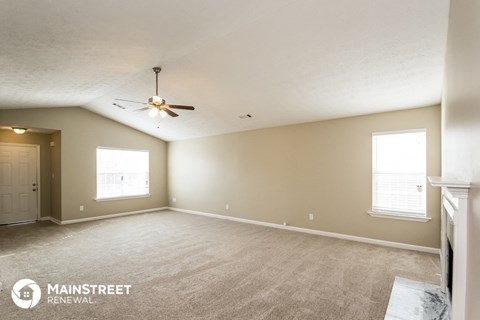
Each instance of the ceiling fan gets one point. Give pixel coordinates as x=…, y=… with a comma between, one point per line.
x=156, y=105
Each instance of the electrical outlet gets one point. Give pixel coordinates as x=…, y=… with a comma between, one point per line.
x=82, y=208
x=174, y=199
x=310, y=216
x=227, y=206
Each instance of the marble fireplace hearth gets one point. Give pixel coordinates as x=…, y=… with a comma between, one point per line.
x=413, y=300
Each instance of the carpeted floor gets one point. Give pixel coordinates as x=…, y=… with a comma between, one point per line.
x=183, y=266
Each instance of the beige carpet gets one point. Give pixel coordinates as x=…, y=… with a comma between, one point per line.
x=182, y=266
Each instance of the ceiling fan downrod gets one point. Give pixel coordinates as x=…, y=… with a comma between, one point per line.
x=157, y=71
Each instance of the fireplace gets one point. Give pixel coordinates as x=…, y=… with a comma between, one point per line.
x=453, y=251
x=449, y=235
x=449, y=271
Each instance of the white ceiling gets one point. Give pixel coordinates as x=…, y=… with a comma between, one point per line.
x=282, y=61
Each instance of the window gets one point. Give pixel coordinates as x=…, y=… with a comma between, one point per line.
x=399, y=173
x=122, y=173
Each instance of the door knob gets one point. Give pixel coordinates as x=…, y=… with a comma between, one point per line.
x=34, y=189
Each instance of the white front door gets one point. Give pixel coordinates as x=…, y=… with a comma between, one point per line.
x=18, y=183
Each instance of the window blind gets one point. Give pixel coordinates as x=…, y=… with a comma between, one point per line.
x=122, y=173
x=399, y=172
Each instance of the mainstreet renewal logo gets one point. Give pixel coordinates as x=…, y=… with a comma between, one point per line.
x=82, y=293
x=26, y=293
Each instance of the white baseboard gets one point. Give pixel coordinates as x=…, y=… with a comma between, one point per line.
x=107, y=216
x=54, y=220
x=316, y=232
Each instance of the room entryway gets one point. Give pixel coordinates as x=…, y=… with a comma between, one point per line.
x=18, y=183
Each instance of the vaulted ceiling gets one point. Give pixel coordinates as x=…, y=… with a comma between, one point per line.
x=282, y=61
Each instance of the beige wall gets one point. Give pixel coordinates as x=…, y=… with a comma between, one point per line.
x=81, y=132
x=461, y=126
x=42, y=140
x=281, y=174
x=56, y=182
x=275, y=175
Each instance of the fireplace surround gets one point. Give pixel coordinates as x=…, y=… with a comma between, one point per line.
x=454, y=236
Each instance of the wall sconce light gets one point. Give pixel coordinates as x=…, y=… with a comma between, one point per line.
x=18, y=130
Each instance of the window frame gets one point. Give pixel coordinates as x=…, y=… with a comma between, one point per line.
x=122, y=197
x=394, y=214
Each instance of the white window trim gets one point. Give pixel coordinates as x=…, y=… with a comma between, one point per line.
x=126, y=149
x=382, y=133
x=420, y=217
x=399, y=216
x=123, y=197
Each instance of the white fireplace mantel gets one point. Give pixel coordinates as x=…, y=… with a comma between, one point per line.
x=454, y=215
x=456, y=188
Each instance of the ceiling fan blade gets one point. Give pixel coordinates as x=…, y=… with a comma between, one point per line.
x=141, y=109
x=119, y=106
x=176, y=106
x=130, y=101
x=170, y=112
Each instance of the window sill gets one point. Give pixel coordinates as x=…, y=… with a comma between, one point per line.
x=398, y=216
x=123, y=198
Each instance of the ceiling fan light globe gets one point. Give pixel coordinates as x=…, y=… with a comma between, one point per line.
x=163, y=113
x=153, y=112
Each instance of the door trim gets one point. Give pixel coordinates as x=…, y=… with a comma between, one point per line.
x=39, y=187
